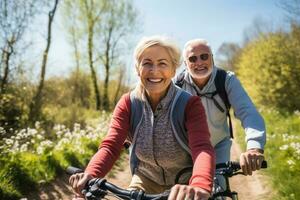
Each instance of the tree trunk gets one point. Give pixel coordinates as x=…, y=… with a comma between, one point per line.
x=36, y=104
x=91, y=23
x=76, y=90
x=6, y=57
x=107, y=66
x=121, y=75
x=91, y=63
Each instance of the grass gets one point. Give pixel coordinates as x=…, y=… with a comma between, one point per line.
x=282, y=152
x=34, y=156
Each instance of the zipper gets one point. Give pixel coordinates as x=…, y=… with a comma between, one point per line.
x=155, y=160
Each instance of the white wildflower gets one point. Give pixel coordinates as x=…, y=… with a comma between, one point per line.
x=46, y=143
x=18, y=137
x=285, y=137
x=284, y=147
x=8, y=141
x=39, y=137
x=23, y=148
x=59, y=134
x=2, y=131
x=76, y=127
x=37, y=125
x=290, y=162
x=40, y=150
x=296, y=147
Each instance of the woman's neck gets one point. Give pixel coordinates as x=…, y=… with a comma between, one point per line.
x=154, y=101
x=155, y=98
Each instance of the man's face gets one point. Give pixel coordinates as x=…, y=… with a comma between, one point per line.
x=198, y=60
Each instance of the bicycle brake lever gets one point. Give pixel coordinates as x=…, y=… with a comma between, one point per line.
x=165, y=195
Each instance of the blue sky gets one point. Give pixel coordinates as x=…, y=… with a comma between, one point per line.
x=217, y=21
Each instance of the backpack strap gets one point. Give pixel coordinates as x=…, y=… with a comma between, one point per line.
x=220, y=89
x=177, y=115
x=136, y=113
x=180, y=79
x=220, y=86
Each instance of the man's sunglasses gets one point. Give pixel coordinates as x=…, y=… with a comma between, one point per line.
x=203, y=57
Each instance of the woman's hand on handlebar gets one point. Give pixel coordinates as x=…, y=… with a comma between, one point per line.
x=186, y=192
x=78, y=182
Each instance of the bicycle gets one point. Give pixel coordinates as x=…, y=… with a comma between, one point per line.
x=99, y=188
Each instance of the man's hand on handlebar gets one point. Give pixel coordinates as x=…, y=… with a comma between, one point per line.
x=78, y=182
x=186, y=192
x=251, y=160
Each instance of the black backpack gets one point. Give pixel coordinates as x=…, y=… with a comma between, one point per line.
x=220, y=89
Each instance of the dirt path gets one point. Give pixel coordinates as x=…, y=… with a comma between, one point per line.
x=60, y=190
x=248, y=187
x=122, y=178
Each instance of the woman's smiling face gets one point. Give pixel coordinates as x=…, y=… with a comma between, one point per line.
x=155, y=70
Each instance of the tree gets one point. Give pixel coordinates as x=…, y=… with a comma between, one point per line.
x=292, y=8
x=92, y=14
x=14, y=18
x=36, y=104
x=270, y=70
x=87, y=16
x=118, y=22
x=227, y=56
x=75, y=36
x=120, y=80
x=104, y=27
x=257, y=29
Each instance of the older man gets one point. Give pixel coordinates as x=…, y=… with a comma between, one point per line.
x=199, y=79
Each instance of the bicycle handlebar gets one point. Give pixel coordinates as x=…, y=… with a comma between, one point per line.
x=230, y=168
x=236, y=165
x=97, y=188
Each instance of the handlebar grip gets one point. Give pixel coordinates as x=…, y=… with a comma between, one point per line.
x=236, y=165
x=73, y=170
x=264, y=164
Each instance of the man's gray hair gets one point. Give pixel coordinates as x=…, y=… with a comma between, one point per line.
x=194, y=41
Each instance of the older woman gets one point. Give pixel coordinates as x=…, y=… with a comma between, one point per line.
x=159, y=149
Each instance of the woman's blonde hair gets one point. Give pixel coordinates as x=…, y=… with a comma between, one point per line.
x=163, y=41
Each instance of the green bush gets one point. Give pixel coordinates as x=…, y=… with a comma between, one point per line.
x=29, y=157
x=14, y=173
x=10, y=111
x=68, y=115
x=269, y=68
x=282, y=151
